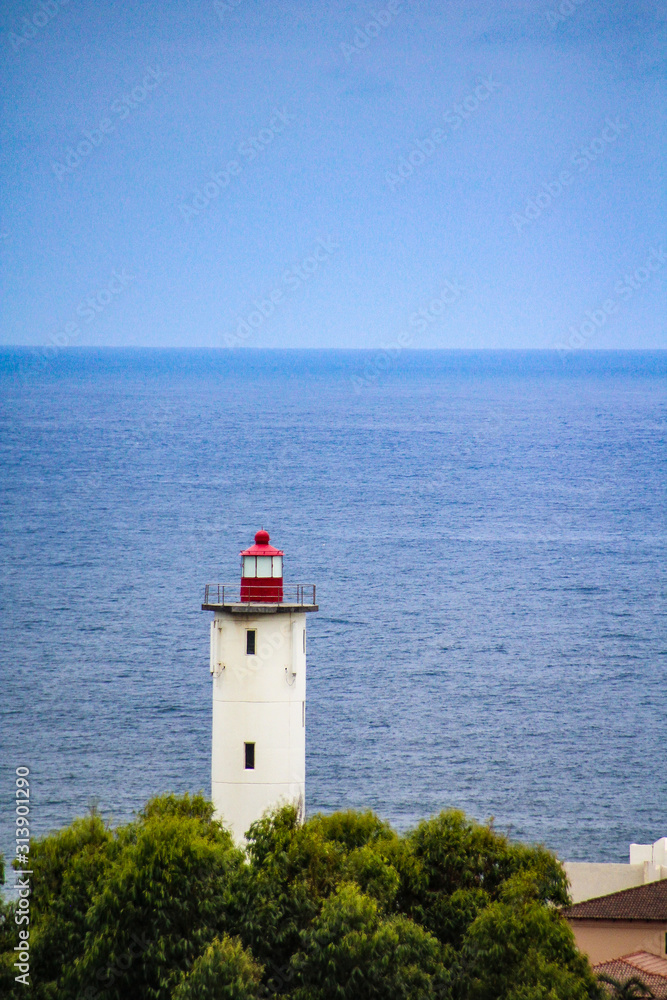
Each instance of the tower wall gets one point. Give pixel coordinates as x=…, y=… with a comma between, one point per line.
x=258, y=699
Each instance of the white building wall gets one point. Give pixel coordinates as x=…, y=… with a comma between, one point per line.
x=648, y=863
x=258, y=699
x=589, y=879
x=654, y=854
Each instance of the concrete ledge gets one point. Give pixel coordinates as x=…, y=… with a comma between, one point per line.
x=259, y=609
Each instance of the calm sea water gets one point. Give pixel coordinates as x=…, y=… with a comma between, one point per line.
x=487, y=536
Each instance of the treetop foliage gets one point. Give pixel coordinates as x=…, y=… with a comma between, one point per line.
x=342, y=906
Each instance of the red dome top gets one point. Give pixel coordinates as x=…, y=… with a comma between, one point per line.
x=262, y=547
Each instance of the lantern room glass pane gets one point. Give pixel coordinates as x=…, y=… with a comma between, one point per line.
x=277, y=565
x=249, y=566
x=263, y=566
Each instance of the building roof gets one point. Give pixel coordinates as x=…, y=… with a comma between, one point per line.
x=262, y=547
x=642, y=902
x=651, y=969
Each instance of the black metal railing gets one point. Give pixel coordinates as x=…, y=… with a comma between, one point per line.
x=230, y=593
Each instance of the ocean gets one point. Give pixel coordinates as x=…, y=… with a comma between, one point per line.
x=486, y=531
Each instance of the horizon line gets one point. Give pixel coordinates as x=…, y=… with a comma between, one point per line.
x=76, y=348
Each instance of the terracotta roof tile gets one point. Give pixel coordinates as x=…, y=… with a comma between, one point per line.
x=642, y=902
x=651, y=969
x=648, y=962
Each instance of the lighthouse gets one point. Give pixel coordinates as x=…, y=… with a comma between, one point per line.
x=258, y=663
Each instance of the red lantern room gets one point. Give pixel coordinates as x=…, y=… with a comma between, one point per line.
x=262, y=571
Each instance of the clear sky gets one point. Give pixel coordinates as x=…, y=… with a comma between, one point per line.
x=493, y=164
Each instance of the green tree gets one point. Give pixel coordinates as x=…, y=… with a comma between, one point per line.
x=340, y=906
x=67, y=867
x=225, y=971
x=518, y=948
x=293, y=868
x=456, y=867
x=8, y=938
x=351, y=953
x=162, y=900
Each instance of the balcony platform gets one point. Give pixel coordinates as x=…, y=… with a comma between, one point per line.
x=227, y=597
x=250, y=608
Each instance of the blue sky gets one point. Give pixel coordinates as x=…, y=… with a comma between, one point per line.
x=255, y=174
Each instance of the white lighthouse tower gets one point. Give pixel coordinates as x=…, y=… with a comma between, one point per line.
x=258, y=662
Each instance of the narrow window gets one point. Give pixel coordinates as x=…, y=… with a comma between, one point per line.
x=249, y=756
x=250, y=641
x=304, y=640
